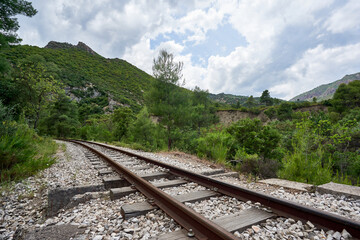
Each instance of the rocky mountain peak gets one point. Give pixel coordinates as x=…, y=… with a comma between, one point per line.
x=83, y=46
x=65, y=45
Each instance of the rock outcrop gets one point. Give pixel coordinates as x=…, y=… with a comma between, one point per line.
x=81, y=46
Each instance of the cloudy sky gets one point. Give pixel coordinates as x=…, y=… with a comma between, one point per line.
x=238, y=47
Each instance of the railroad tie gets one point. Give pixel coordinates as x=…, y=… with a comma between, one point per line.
x=100, y=166
x=103, y=172
x=117, y=182
x=136, y=209
x=131, y=168
x=232, y=223
x=97, y=163
x=117, y=193
x=228, y=174
x=213, y=172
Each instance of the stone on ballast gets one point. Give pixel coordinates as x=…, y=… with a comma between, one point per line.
x=310, y=224
x=256, y=229
x=98, y=237
x=129, y=230
x=345, y=234
x=337, y=235
x=49, y=222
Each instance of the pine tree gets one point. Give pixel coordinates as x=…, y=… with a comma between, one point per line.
x=166, y=99
x=265, y=98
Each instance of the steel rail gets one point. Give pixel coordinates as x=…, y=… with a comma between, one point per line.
x=186, y=217
x=279, y=206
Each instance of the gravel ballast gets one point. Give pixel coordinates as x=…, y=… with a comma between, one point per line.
x=23, y=205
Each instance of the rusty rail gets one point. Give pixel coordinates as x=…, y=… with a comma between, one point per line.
x=186, y=217
x=280, y=206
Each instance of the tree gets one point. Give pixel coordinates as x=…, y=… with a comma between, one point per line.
x=265, y=98
x=166, y=70
x=8, y=23
x=8, y=26
x=250, y=102
x=122, y=118
x=63, y=119
x=37, y=85
x=284, y=111
x=347, y=97
x=203, y=113
x=166, y=99
x=145, y=132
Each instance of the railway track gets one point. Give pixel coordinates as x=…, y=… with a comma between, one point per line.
x=194, y=224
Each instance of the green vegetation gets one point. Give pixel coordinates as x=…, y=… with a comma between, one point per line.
x=114, y=101
x=28, y=87
x=347, y=97
x=265, y=98
x=89, y=76
x=225, y=101
x=165, y=99
x=22, y=151
x=9, y=24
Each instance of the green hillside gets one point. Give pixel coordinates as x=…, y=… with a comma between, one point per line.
x=230, y=99
x=81, y=69
x=325, y=91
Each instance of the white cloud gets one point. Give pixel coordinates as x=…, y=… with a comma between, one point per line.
x=344, y=19
x=140, y=55
x=318, y=66
x=199, y=22
x=123, y=29
x=261, y=23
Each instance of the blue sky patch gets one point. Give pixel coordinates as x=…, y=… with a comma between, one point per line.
x=221, y=41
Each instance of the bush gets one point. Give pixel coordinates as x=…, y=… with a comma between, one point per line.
x=255, y=138
x=216, y=146
x=23, y=153
x=186, y=140
x=270, y=113
x=247, y=163
x=254, y=165
x=284, y=111
x=144, y=132
x=308, y=162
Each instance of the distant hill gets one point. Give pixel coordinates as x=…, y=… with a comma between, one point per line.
x=326, y=91
x=85, y=73
x=234, y=99
x=229, y=98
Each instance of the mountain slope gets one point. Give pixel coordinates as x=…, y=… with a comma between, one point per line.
x=234, y=99
x=82, y=68
x=228, y=98
x=325, y=91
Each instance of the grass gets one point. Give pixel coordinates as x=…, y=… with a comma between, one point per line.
x=24, y=153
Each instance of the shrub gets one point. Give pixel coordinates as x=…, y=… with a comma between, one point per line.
x=216, y=145
x=270, y=112
x=284, y=111
x=144, y=132
x=307, y=163
x=253, y=164
x=249, y=163
x=255, y=138
x=23, y=153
